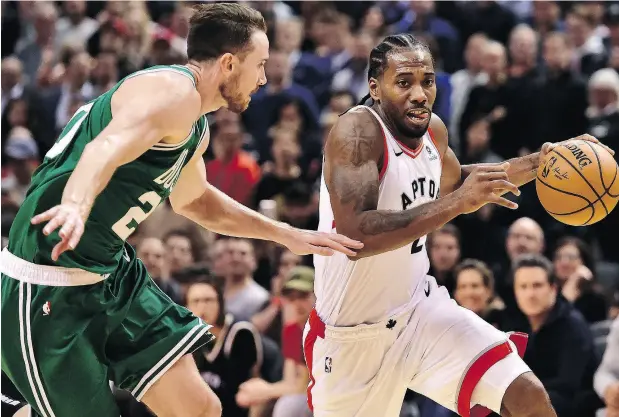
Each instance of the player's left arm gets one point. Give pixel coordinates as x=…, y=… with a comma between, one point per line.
x=198, y=200
x=521, y=170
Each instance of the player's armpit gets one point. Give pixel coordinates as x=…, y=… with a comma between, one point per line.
x=353, y=153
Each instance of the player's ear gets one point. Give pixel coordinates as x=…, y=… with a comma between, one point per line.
x=374, y=89
x=226, y=63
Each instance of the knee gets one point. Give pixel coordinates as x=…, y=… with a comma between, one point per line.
x=527, y=397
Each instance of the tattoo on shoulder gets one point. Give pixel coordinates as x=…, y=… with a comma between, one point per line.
x=354, y=179
x=357, y=146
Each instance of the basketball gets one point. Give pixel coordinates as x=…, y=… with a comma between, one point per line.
x=578, y=183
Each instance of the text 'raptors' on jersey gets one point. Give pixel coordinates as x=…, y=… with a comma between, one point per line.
x=348, y=292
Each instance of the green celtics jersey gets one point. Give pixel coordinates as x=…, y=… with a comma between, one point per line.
x=133, y=193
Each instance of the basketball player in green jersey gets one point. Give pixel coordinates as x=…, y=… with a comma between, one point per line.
x=78, y=307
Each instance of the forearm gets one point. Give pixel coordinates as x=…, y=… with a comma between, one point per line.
x=93, y=172
x=385, y=230
x=219, y=213
x=521, y=170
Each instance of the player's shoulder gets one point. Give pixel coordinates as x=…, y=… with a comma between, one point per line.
x=356, y=133
x=357, y=124
x=173, y=86
x=439, y=133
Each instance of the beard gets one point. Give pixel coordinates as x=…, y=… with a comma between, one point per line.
x=399, y=120
x=234, y=98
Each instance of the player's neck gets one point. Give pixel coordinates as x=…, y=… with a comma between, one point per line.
x=206, y=77
x=411, y=142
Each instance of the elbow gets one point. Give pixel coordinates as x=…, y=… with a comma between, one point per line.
x=352, y=231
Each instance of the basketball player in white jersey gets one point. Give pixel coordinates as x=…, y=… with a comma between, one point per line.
x=381, y=325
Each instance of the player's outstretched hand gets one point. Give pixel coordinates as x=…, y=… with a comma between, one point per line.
x=486, y=184
x=547, y=147
x=69, y=219
x=304, y=242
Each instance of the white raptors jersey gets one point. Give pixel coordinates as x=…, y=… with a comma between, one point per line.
x=373, y=288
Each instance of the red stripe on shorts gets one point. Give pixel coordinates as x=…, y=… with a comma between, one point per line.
x=479, y=367
x=316, y=330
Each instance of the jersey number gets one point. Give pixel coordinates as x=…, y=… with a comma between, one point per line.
x=416, y=248
x=69, y=131
x=136, y=215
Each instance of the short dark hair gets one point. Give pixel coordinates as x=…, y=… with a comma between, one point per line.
x=533, y=260
x=479, y=266
x=218, y=285
x=392, y=43
x=447, y=229
x=584, y=250
x=219, y=28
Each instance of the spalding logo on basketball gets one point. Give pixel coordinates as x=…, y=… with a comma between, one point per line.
x=578, y=183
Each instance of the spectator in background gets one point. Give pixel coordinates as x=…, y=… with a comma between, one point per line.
x=374, y=23
x=474, y=291
x=22, y=159
x=603, y=111
x=283, y=171
x=463, y=81
x=236, y=355
x=525, y=236
x=340, y=102
x=575, y=271
x=11, y=82
x=444, y=254
x=300, y=206
x=560, y=350
x=179, y=251
x=478, y=144
x=288, y=38
x=233, y=171
x=267, y=101
x=603, y=114
x=270, y=319
x=75, y=86
x=329, y=31
x=612, y=22
x=75, y=26
x=523, y=54
x=589, y=54
x=20, y=113
x=546, y=18
x=560, y=97
x=31, y=51
x=219, y=258
x=354, y=76
x=105, y=72
x=606, y=380
x=298, y=291
x=152, y=252
x=523, y=44
x=488, y=100
x=421, y=18
x=244, y=297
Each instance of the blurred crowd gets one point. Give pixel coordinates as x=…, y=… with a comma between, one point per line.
x=511, y=75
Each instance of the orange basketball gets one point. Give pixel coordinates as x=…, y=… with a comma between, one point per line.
x=578, y=183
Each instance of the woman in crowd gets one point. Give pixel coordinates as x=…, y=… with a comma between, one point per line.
x=475, y=291
x=575, y=271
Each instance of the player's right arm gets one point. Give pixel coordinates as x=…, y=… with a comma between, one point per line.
x=353, y=152
x=146, y=110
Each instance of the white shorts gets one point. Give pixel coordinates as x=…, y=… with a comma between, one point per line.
x=436, y=348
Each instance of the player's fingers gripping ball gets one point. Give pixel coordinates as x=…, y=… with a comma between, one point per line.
x=578, y=182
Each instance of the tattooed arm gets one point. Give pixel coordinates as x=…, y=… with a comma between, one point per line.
x=353, y=153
